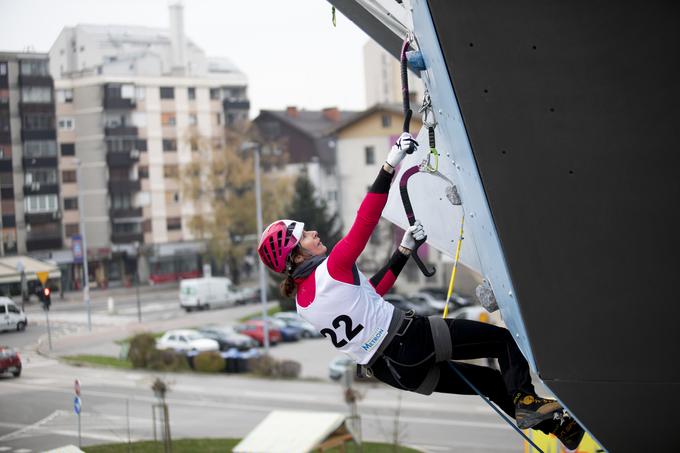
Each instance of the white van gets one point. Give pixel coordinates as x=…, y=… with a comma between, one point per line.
x=11, y=316
x=203, y=293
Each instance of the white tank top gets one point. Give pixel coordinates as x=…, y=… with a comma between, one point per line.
x=354, y=317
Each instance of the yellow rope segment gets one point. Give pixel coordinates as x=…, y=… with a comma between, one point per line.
x=455, y=266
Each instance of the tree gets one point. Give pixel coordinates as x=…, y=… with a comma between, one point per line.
x=220, y=184
x=313, y=211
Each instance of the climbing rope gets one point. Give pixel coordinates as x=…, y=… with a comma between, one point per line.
x=455, y=266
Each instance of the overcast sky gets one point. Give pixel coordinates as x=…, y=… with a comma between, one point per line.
x=289, y=50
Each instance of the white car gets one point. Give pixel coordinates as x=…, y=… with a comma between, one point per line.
x=186, y=340
x=207, y=292
x=339, y=366
x=11, y=316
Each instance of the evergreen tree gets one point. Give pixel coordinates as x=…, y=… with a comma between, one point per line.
x=306, y=207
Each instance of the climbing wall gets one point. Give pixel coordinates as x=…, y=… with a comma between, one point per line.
x=561, y=122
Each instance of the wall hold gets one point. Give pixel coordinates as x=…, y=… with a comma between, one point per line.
x=415, y=60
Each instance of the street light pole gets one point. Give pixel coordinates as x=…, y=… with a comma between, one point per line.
x=86, y=275
x=139, y=305
x=263, y=285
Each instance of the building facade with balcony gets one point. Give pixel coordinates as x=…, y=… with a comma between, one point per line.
x=29, y=166
x=130, y=103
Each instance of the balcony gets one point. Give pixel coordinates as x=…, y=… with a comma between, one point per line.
x=122, y=158
x=125, y=213
x=236, y=104
x=35, y=80
x=123, y=187
x=42, y=217
x=29, y=162
x=6, y=165
x=126, y=237
x=114, y=103
x=37, y=188
x=130, y=131
x=38, y=134
x=43, y=241
x=4, y=81
x=36, y=107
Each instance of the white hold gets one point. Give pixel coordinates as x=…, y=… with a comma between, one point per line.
x=486, y=296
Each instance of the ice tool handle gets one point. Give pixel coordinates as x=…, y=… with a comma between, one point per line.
x=406, y=201
x=406, y=102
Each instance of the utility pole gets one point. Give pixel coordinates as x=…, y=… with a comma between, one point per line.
x=263, y=285
x=86, y=275
x=139, y=305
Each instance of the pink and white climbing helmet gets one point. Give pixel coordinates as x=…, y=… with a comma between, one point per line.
x=277, y=241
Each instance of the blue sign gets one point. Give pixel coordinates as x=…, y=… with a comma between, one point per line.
x=77, y=248
x=76, y=405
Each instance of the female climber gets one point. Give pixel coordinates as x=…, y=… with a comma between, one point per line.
x=406, y=351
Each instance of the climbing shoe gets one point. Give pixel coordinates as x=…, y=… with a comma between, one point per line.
x=569, y=432
x=530, y=410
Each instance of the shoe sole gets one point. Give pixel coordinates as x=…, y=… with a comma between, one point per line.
x=528, y=419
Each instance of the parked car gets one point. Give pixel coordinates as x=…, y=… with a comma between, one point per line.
x=11, y=316
x=339, y=365
x=227, y=337
x=292, y=319
x=206, y=292
x=10, y=362
x=436, y=299
x=255, y=330
x=406, y=304
x=186, y=340
x=288, y=332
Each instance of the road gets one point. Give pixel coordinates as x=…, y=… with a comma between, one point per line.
x=36, y=410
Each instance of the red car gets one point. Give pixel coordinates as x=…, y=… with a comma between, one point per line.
x=255, y=330
x=10, y=361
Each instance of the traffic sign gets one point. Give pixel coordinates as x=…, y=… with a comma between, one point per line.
x=76, y=405
x=76, y=387
x=42, y=276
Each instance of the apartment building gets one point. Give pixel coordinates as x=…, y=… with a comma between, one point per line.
x=29, y=167
x=130, y=101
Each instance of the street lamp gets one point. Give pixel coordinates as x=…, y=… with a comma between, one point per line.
x=256, y=147
x=139, y=305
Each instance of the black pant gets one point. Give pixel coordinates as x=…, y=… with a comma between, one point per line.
x=412, y=355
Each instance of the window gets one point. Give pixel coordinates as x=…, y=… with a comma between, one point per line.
x=143, y=172
x=174, y=223
x=12, y=309
x=68, y=176
x=167, y=93
x=140, y=145
x=191, y=93
x=3, y=68
x=169, y=144
x=386, y=120
x=67, y=124
x=215, y=94
x=168, y=119
x=38, y=121
x=369, y=153
x=41, y=176
x=40, y=149
x=121, y=201
x=193, y=119
x=40, y=203
x=71, y=229
x=170, y=171
x=71, y=204
x=68, y=149
x=65, y=96
x=140, y=93
x=36, y=94
x=34, y=68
